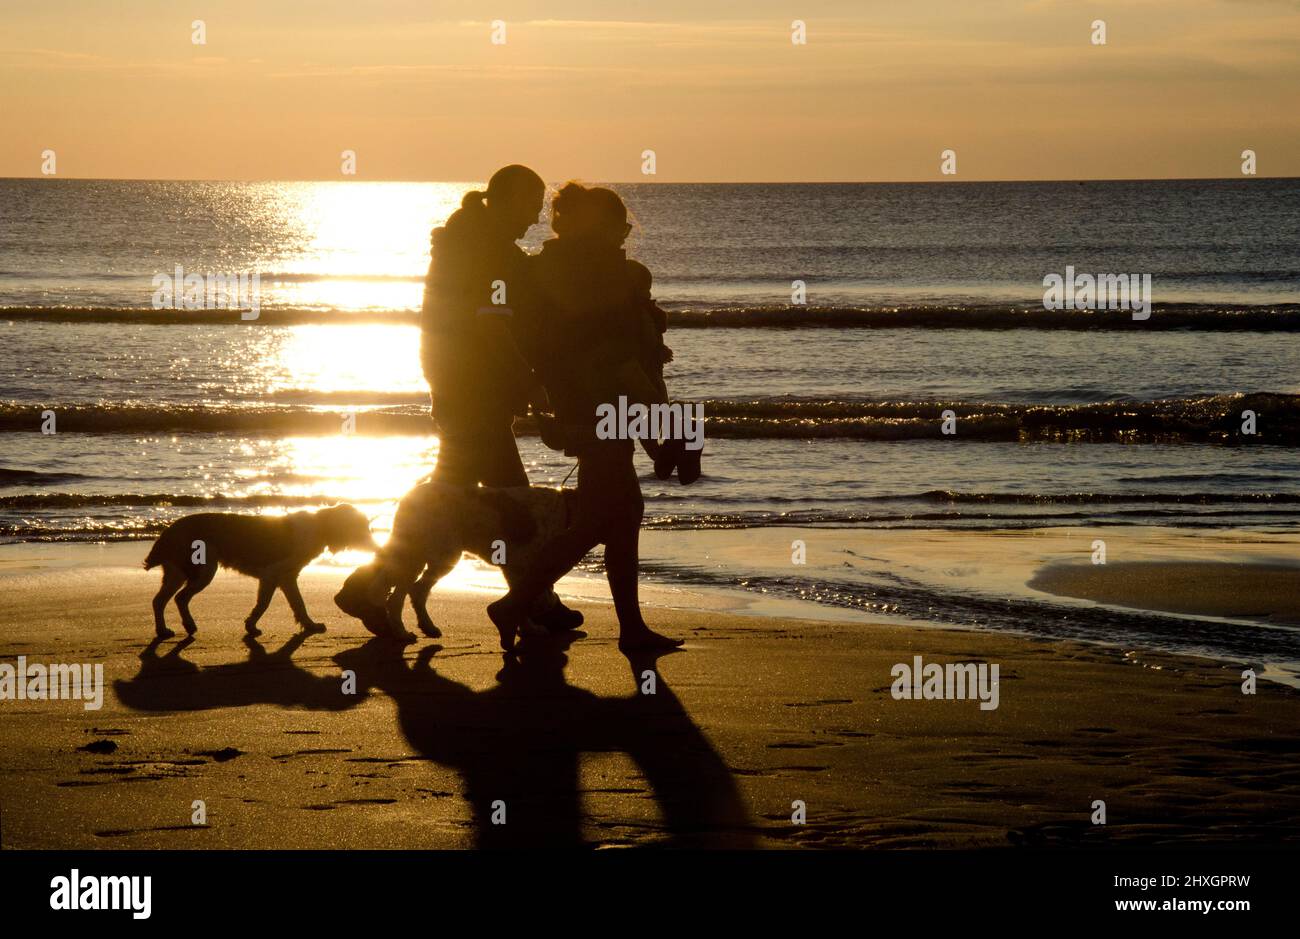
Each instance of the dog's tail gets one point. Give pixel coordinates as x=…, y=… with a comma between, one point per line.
x=154, y=557
x=517, y=523
x=164, y=547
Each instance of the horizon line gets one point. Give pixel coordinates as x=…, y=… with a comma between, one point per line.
x=686, y=182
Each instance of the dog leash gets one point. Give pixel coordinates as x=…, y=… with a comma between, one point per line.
x=566, y=478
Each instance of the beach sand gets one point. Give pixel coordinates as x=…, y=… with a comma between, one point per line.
x=757, y=713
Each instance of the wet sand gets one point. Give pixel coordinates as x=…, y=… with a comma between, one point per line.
x=756, y=714
x=1265, y=592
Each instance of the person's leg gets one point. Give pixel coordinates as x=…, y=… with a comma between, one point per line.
x=622, y=552
x=498, y=464
x=455, y=460
x=559, y=556
x=562, y=553
x=487, y=453
x=609, y=511
x=496, y=456
x=475, y=444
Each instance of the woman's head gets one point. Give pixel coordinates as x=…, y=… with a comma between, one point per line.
x=592, y=213
x=513, y=199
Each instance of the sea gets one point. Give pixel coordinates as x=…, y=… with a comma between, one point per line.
x=869, y=356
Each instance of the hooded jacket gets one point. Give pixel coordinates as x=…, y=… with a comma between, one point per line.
x=472, y=363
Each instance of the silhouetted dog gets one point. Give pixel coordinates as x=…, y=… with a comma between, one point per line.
x=274, y=549
x=435, y=523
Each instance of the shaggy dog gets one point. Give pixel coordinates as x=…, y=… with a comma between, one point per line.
x=274, y=549
x=434, y=525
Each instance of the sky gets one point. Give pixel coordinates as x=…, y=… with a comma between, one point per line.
x=418, y=90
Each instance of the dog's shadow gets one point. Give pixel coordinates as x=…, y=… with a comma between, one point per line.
x=172, y=683
x=518, y=745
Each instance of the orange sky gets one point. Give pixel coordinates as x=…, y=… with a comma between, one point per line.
x=580, y=89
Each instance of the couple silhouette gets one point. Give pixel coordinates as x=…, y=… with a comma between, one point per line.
x=503, y=332
x=561, y=333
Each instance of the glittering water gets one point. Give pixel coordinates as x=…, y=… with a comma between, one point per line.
x=835, y=426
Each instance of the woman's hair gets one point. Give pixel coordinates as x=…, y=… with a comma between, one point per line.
x=506, y=185
x=578, y=210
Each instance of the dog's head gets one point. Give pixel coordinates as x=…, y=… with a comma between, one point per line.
x=345, y=526
x=357, y=598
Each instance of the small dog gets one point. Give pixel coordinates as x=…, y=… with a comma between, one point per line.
x=434, y=524
x=274, y=549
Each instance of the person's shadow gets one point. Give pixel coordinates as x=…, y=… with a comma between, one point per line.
x=518, y=745
x=695, y=789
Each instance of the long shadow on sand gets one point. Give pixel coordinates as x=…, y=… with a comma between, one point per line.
x=172, y=683
x=516, y=745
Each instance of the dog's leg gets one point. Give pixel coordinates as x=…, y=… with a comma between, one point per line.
x=394, y=610
x=289, y=587
x=434, y=571
x=419, y=596
x=398, y=569
x=377, y=619
x=265, y=591
x=172, y=580
x=403, y=577
x=198, y=580
x=380, y=583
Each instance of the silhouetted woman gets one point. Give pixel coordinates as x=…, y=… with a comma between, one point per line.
x=477, y=297
x=478, y=379
x=582, y=294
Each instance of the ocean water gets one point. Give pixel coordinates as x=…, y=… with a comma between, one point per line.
x=921, y=299
x=363, y=246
